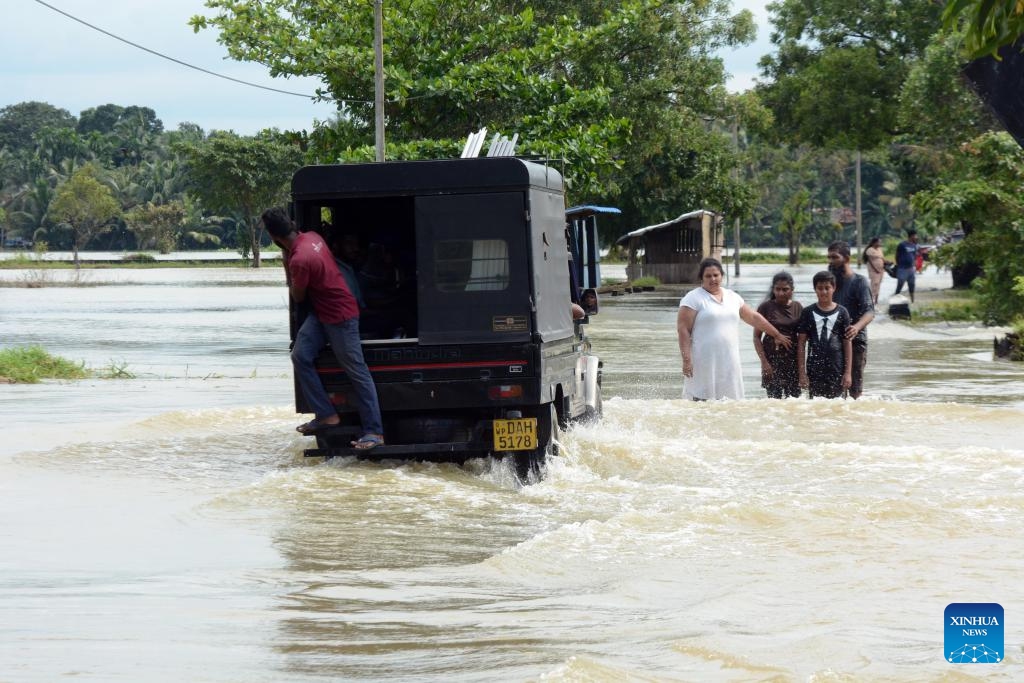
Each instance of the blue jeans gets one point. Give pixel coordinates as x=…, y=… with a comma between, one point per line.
x=313, y=335
x=908, y=276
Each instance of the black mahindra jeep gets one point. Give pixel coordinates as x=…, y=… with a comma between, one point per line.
x=468, y=271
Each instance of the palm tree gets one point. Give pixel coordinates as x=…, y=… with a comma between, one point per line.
x=33, y=208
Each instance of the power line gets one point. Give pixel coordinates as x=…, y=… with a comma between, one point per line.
x=178, y=61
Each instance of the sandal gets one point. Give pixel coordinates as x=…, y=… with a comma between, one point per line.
x=368, y=441
x=315, y=425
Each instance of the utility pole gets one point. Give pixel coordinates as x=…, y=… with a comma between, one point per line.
x=378, y=75
x=736, y=224
x=860, y=245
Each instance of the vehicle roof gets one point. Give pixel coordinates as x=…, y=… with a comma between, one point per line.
x=423, y=177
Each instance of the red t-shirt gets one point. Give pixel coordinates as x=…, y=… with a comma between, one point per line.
x=312, y=267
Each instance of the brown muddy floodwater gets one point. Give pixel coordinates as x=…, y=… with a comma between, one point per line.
x=167, y=528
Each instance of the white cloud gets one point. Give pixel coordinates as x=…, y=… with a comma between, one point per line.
x=741, y=63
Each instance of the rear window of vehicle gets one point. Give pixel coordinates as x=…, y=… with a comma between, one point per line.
x=468, y=265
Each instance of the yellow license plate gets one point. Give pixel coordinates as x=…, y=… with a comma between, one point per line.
x=515, y=435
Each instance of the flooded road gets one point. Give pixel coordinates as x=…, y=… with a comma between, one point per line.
x=167, y=527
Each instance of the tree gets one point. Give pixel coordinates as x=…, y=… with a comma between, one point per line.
x=936, y=108
x=104, y=119
x=32, y=215
x=20, y=122
x=795, y=217
x=86, y=205
x=232, y=173
x=61, y=146
x=615, y=89
x=840, y=66
x=157, y=226
x=780, y=173
x=100, y=119
x=982, y=193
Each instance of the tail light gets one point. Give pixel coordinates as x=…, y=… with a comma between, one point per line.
x=505, y=391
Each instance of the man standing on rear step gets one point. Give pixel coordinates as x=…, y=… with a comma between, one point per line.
x=312, y=274
x=854, y=294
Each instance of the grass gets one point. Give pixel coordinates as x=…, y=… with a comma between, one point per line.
x=948, y=306
x=647, y=281
x=116, y=370
x=30, y=364
x=140, y=257
x=954, y=310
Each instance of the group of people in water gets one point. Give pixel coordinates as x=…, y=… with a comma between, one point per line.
x=821, y=348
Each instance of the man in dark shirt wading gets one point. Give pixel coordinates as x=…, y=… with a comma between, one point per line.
x=312, y=274
x=854, y=294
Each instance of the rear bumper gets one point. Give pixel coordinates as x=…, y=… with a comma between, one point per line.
x=441, y=452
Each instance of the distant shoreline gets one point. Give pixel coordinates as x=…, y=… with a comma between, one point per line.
x=137, y=265
x=58, y=260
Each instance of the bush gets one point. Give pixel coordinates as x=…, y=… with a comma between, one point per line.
x=647, y=281
x=140, y=257
x=29, y=364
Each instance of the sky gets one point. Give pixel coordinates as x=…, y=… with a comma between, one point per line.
x=47, y=57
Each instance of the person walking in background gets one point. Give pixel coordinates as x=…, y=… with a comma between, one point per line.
x=779, y=375
x=823, y=350
x=875, y=260
x=707, y=325
x=854, y=294
x=312, y=275
x=906, y=263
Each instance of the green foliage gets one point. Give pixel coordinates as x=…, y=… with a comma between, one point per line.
x=860, y=116
x=85, y=205
x=106, y=118
x=157, y=226
x=835, y=79
x=646, y=281
x=781, y=172
x=141, y=257
x=963, y=308
x=987, y=25
x=30, y=364
x=985, y=195
x=248, y=174
x=936, y=107
x=20, y=122
x=613, y=90
x=795, y=216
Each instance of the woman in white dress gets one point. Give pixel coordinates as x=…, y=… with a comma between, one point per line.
x=709, y=340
